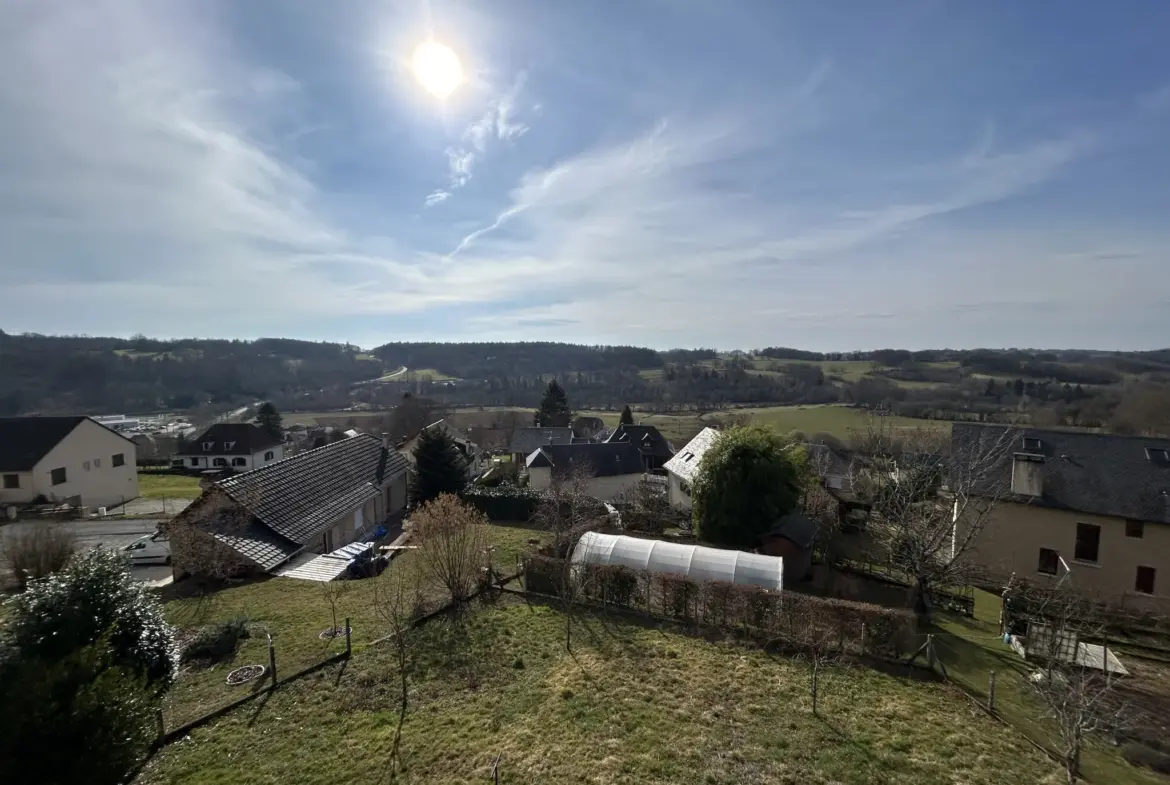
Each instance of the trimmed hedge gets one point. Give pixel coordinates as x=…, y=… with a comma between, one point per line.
x=789, y=618
x=503, y=502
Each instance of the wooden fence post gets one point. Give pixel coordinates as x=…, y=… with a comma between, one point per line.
x=162, y=723
x=991, y=691
x=496, y=769
x=930, y=650
x=348, y=648
x=272, y=659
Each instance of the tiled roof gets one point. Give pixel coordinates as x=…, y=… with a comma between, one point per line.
x=525, y=440
x=646, y=438
x=798, y=528
x=259, y=543
x=231, y=438
x=25, y=440
x=1102, y=474
x=685, y=462
x=299, y=497
x=605, y=460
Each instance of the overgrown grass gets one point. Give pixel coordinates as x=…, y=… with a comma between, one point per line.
x=294, y=613
x=156, y=485
x=632, y=704
x=971, y=648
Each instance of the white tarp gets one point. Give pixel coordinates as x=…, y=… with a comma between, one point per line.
x=694, y=561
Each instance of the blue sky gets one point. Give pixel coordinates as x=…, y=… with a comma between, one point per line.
x=832, y=176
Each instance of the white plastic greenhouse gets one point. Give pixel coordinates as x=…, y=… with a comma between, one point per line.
x=694, y=561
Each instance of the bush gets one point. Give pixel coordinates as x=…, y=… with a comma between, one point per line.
x=37, y=551
x=94, y=598
x=542, y=574
x=217, y=642
x=504, y=502
x=613, y=584
x=72, y=720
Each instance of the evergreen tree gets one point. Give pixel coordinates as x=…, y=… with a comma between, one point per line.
x=554, y=409
x=438, y=467
x=748, y=481
x=627, y=416
x=268, y=419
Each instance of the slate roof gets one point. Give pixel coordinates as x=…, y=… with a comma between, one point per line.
x=606, y=460
x=1101, y=474
x=300, y=497
x=826, y=460
x=260, y=544
x=685, y=462
x=525, y=440
x=646, y=438
x=801, y=529
x=231, y=438
x=25, y=440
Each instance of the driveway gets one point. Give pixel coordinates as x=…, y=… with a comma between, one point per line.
x=106, y=533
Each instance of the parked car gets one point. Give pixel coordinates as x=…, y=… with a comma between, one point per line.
x=151, y=548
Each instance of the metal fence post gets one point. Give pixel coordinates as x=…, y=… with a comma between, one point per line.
x=272, y=659
x=991, y=691
x=348, y=649
x=162, y=723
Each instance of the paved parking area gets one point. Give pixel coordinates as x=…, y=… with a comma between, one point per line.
x=107, y=533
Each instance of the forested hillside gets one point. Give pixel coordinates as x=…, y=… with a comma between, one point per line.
x=1128, y=392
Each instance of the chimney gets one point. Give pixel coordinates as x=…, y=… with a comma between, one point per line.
x=1027, y=475
x=385, y=440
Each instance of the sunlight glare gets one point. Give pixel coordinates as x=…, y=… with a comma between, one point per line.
x=437, y=68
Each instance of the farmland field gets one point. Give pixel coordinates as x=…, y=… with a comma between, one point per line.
x=156, y=485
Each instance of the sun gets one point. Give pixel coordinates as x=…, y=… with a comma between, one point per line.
x=437, y=68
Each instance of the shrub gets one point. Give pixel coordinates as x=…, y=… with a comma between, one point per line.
x=94, y=598
x=542, y=574
x=1141, y=755
x=37, y=551
x=217, y=642
x=504, y=502
x=453, y=544
x=99, y=718
x=678, y=594
x=613, y=584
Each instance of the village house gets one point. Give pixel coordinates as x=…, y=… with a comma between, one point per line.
x=526, y=440
x=683, y=467
x=1093, y=505
x=655, y=449
x=313, y=502
x=65, y=460
x=238, y=446
x=613, y=469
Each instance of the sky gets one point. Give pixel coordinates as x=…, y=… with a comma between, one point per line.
x=665, y=173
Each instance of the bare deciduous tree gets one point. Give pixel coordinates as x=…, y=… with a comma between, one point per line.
x=333, y=591
x=929, y=506
x=453, y=543
x=398, y=602
x=37, y=551
x=1074, y=684
x=645, y=508
x=567, y=512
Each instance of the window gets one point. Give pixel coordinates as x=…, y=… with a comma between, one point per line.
x=1145, y=580
x=11, y=481
x=118, y=460
x=208, y=446
x=269, y=455
x=1031, y=444
x=85, y=465
x=194, y=461
x=227, y=446
x=57, y=476
x=1157, y=455
x=239, y=462
x=219, y=462
x=1135, y=529
x=1049, y=560
x=97, y=463
x=1088, y=542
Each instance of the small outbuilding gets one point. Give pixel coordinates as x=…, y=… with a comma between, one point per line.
x=696, y=562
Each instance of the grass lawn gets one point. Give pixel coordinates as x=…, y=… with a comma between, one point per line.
x=971, y=648
x=293, y=612
x=424, y=375
x=632, y=704
x=154, y=485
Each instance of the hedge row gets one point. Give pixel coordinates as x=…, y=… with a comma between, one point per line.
x=799, y=620
x=503, y=502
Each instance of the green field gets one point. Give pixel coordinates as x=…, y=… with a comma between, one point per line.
x=155, y=485
x=632, y=703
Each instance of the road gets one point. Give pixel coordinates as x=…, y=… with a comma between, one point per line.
x=388, y=377
x=107, y=533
